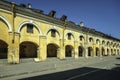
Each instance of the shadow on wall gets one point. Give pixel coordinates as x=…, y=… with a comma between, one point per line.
x=85, y=73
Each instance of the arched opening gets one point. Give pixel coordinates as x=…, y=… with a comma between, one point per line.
x=81, y=51
x=108, y=43
x=68, y=51
x=52, y=50
x=108, y=52
x=114, y=51
x=53, y=33
x=28, y=50
x=81, y=38
x=90, y=39
x=103, y=42
x=103, y=51
x=90, y=51
x=97, y=41
x=118, y=52
x=111, y=51
x=97, y=51
x=3, y=50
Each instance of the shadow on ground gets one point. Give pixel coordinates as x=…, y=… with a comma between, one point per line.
x=85, y=73
x=118, y=58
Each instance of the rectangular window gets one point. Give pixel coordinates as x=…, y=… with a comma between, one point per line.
x=53, y=33
x=69, y=36
x=29, y=28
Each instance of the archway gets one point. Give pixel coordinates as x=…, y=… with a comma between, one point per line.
x=81, y=51
x=114, y=51
x=108, y=52
x=90, y=51
x=97, y=51
x=103, y=51
x=117, y=51
x=3, y=50
x=111, y=51
x=28, y=50
x=68, y=51
x=52, y=50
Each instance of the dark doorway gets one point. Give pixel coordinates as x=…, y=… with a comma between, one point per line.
x=68, y=51
x=103, y=51
x=28, y=50
x=97, y=51
x=52, y=50
x=81, y=51
x=3, y=50
x=90, y=51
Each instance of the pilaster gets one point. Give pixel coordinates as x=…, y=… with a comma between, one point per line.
x=43, y=48
x=86, y=50
x=76, y=49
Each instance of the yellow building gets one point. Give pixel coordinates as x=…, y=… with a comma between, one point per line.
x=29, y=33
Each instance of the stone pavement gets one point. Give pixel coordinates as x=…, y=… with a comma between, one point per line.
x=27, y=66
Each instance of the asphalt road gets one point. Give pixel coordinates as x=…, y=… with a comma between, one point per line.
x=84, y=73
x=102, y=70
x=109, y=70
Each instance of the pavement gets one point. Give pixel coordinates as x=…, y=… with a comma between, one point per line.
x=28, y=66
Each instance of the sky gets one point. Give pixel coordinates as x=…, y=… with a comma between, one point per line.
x=101, y=15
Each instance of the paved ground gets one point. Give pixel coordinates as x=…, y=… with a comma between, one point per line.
x=68, y=69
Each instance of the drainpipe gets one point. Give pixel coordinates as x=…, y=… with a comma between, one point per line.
x=64, y=31
x=13, y=35
x=13, y=15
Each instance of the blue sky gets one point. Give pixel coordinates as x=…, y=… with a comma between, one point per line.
x=102, y=15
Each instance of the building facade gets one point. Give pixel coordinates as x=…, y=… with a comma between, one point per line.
x=29, y=33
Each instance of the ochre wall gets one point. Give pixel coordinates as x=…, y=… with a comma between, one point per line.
x=41, y=38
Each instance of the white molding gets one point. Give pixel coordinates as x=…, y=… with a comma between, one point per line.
x=8, y=24
x=55, y=28
x=27, y=22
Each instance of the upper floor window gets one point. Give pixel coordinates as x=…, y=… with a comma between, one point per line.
x=103, y=42
x=97, y=41
x=108, y=43
x=29, y=28
x=53, y=33
x=90, y=39
x=69, y=36
x=81, y=37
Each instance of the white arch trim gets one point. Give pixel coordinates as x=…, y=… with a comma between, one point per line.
x=54, y=29
x=8, y=24
x=29, y=22
x=71, y=33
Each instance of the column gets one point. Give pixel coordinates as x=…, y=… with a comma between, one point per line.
x=86, y=50
x=105, y=52
x=61, y=50
x=13, y=49
x=43, y=48
x=94, y=50
x=16, y=48
x=100, y=50
x=109, y=52
x=10, y=55
x=76, y=49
